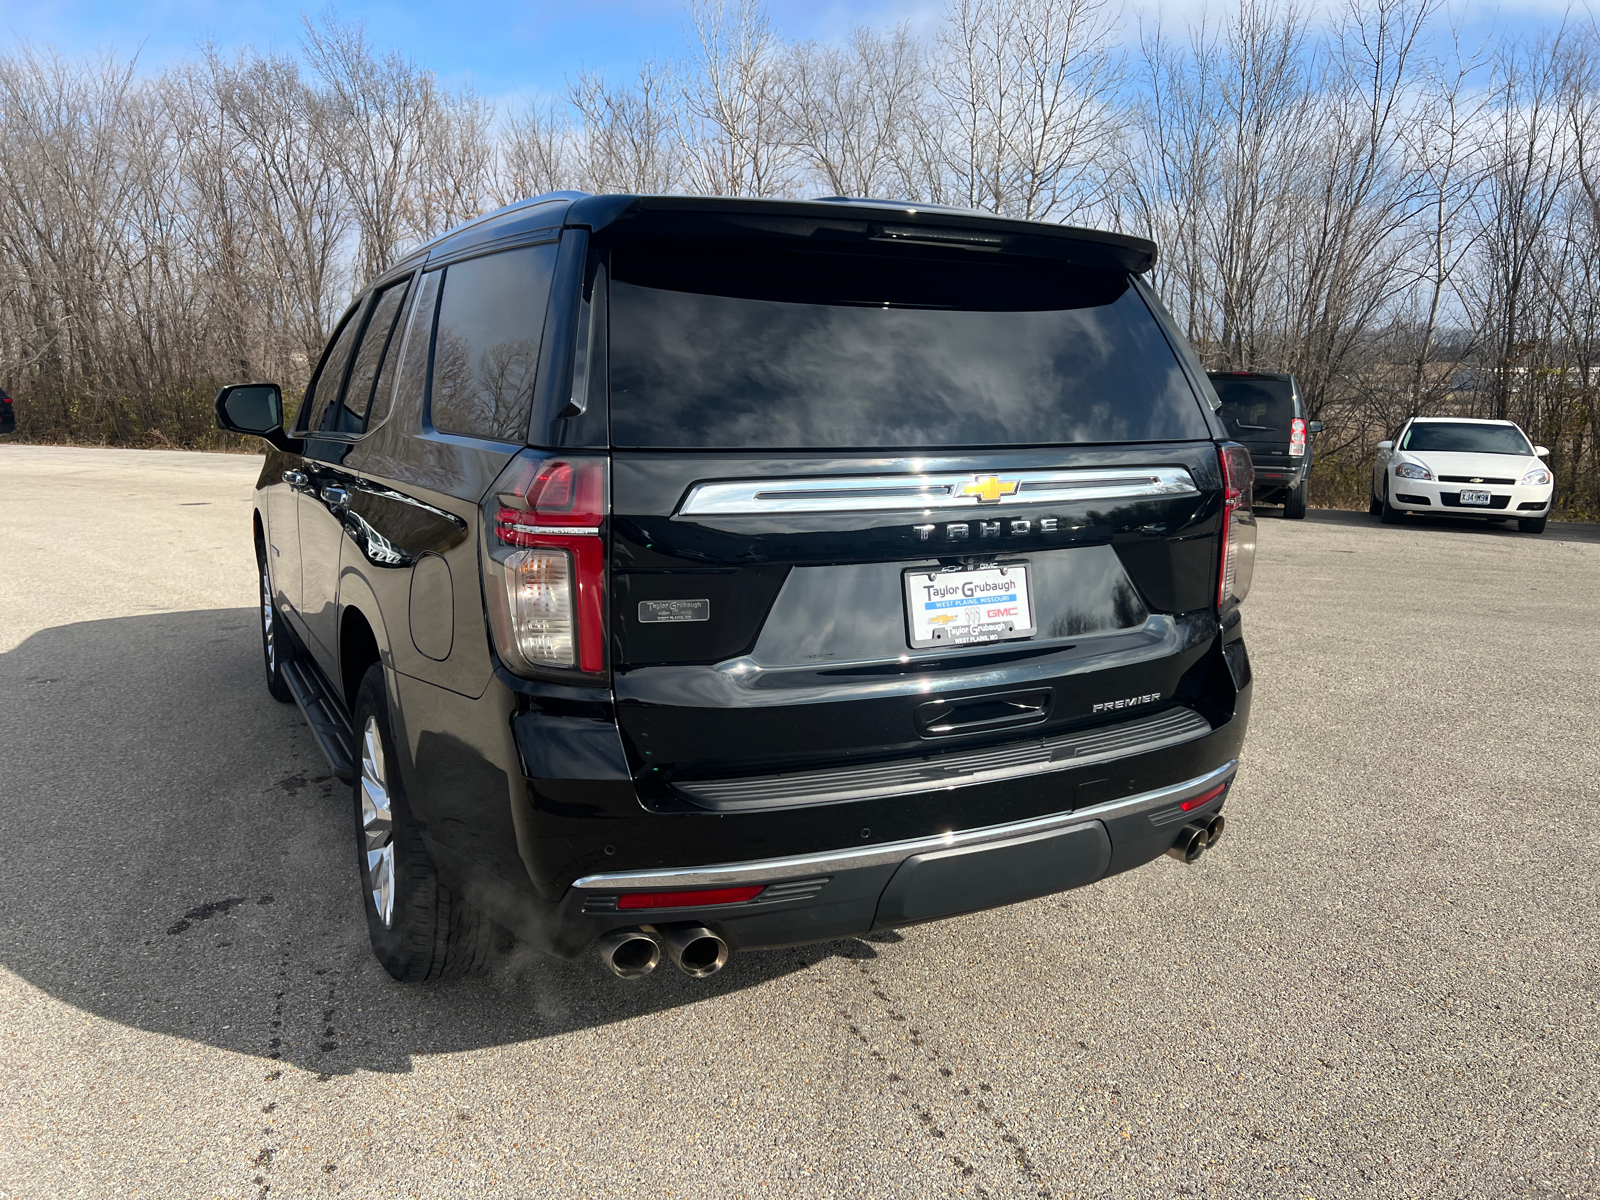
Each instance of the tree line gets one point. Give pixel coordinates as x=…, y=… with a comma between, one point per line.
x=1407, y=221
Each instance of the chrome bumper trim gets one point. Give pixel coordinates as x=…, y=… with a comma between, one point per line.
x=761, y=870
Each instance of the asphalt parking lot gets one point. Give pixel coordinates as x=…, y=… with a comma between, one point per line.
x=1384, y=982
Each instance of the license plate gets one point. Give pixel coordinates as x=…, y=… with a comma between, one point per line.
x=961, y=608
x=1475, y=497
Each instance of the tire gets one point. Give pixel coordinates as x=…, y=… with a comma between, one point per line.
x=1374, y=506
x=274, y=645
x=1389, y=514
x=1532, y=524
x=1294, y=501
x=420, y=929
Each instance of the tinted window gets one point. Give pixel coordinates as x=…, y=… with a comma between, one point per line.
x=350, y=415
x=410, y=386
x=1252, y=408
x=491, y=316
x=1467, y=439
x=746, y=347
x=324, y=389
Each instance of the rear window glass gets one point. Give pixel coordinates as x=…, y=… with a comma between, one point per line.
x=1459, y=436
x=491, y=318
x=741, y=346
x=1252, y=408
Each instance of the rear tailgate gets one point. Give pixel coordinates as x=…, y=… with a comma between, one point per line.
x=813, y=437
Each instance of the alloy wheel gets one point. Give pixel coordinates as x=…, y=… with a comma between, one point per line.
x=377, y=822
x=267, y=623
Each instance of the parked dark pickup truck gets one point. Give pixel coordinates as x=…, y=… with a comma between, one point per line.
x=689, y=576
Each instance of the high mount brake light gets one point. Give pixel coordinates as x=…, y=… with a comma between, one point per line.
x=1238, y=526
x=545, y=563
x=1297, y=436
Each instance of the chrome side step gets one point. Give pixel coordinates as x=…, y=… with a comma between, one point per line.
x=324, y=714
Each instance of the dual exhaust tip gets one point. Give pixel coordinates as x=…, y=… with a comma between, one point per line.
x=694, y=950
x=1196, y=837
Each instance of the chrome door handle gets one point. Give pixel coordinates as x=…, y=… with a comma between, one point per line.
x=336, y=496
x=295, y=478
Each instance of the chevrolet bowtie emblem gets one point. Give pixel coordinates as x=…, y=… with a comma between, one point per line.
x=989, y=488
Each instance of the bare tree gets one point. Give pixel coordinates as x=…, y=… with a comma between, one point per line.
x=731, y=121
x=850, y=110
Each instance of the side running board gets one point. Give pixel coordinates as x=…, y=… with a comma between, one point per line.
x=325, y=715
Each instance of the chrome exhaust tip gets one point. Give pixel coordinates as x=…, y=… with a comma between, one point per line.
x=630, y=953
x=1214, y=830
x=1191, y=843
x=695, y=950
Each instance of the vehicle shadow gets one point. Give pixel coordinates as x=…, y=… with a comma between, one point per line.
x=179, y=860
x=1558, y=531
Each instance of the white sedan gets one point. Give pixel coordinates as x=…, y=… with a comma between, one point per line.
x=1462, y=467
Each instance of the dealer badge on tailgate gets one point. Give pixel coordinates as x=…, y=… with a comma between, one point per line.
x=963, y=607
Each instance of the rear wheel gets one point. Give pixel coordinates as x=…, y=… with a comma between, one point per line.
x=420, y=929
x=1294, y=501
x=273, y=644
x=1531, y=524
x=1390, y=514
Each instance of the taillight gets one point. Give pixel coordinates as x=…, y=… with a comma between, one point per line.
x=545, y=563
x=1297, y=436
x=1238, y=526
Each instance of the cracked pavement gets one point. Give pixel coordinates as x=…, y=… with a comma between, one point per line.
x=1383, y=982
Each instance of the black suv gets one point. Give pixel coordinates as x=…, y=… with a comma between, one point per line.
x=1266, y=413
x=699, y=575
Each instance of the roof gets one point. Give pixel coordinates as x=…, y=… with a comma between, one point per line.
x=1466, y=421
x=831, y=218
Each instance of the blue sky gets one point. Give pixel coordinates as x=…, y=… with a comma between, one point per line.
x=507, y=47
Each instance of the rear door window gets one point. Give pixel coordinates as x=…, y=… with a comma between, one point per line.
x=486, y=350
x=350, y=415
x=742, y=346
x=1255, y=410
x=323, y=392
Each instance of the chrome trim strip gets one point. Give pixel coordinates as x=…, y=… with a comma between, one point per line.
x=560, y=530
x=912, y=493
x=726, y=874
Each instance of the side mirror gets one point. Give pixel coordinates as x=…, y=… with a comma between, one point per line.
x=1542, y=451
x=253, y=408
x=1385, y=446
x=1314, y=427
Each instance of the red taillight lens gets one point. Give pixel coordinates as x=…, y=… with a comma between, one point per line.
x=732, y=895
x=1238, y=526
x=545, y=563
x=1297, y=436
x=1202, y=801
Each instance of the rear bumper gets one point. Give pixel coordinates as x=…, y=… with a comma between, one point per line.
x=838, y=869
x=811, y=898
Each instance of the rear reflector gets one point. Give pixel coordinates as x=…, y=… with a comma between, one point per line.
x=732, y=895
x=1202, y=801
